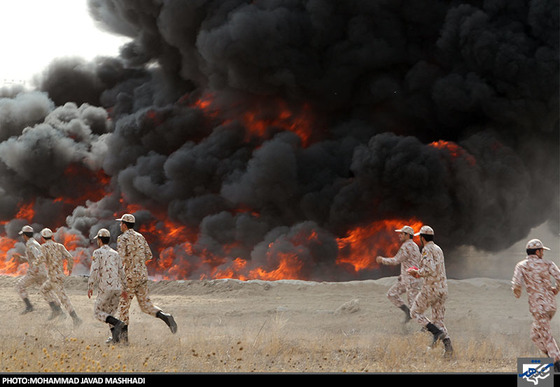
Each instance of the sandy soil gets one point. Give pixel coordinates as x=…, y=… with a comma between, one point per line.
x=282, y=326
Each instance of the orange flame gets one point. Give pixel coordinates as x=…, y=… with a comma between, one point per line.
x=10, y=265
x=363, y=244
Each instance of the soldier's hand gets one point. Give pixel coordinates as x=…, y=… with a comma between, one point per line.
x=413, y=271
x=378, y=259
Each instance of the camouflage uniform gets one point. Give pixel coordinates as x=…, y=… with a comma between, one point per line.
x=53, y=255
x=134, y=251
x=536, y=273
x=407, y=256
x=434, y=288
x=36, y=271
x=107, y=275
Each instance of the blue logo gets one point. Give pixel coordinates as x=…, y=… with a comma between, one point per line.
x=535, y=372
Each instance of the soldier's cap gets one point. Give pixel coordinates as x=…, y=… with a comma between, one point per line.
x=26, y=229
x=536, y=244
x=46, y=233
x=128, y=218
x=426, y=230
x=103, y=232
x=406, y=229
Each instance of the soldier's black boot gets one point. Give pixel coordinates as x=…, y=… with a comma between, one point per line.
x=406, y=311
x=117, y=328
x=434, y=331
x=28, y=306
x=168, y=319
x=55, y=310
x=557, y=366
x=77, y=321
x=110, y=338
x=448, y=348
x=123, y=337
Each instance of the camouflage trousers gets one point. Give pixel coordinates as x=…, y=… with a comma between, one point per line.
x=542, y=336
x=53, y=291
x=435, y=300
x=411, y=288
x=29, y=280
x=106, y=304
x=140, y=290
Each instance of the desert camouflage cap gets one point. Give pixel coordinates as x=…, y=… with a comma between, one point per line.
x=536, y=244
x=46, y=233
x=103, y=232
x=406, y=229
x=26, y=229
x=129, y=218
x=426, y=230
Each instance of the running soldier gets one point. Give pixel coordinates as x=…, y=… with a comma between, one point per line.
x=107, y=275
x=434, y=289
x=408, y=256
x=134, y=252
x=536, y=273
x=36, y=272
x=53, y=255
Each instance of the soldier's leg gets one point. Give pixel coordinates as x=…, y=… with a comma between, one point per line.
x=148, y=307
x=124, y=308
x=438, y=314
x=541, y=335
x=21, y=286
x=48, y=293
x=58, y=288
x=394, y=294
x=124, y=305
x=421, y=303
x=106, y=306
x=419, y=306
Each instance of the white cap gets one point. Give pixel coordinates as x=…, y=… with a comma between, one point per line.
x=26, y=229
x=103, y=232
x=129, y=218
x=536, y=244
x=406, y=229
x=427, y=230
x=46, y=233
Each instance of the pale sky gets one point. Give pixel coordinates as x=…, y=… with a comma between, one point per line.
x=34, y=32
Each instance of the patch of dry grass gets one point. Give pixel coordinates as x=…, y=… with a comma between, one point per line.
x=270, y=347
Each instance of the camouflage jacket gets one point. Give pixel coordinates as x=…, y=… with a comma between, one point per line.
x=407, y=256
x=432, y=268
x=54, y=254
x=33, y=256
x=106, y=270
x=134, y=252
x=536, y=274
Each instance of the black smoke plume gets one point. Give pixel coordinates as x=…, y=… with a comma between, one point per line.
x=380, y=81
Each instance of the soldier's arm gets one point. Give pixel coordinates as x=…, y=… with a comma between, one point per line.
x=555, y=273
x=516, y=282
x=147, y=251
x=69, y=259
x=93, y=273
x=121, y=248
x=427, y=265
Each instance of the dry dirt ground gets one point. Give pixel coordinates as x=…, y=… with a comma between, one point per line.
x=229, y=326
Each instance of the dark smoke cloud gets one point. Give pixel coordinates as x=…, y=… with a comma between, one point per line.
x=382, y=80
